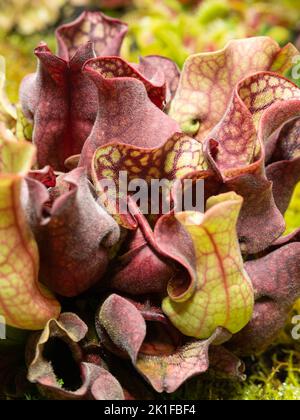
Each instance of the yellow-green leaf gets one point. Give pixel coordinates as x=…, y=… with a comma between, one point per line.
x=220, y=293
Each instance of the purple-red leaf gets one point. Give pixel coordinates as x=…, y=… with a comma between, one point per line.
x=140, y=270
x=46, y=176
x=124, y=325
x=224, y=364
x=73, y=233
x=283, y=151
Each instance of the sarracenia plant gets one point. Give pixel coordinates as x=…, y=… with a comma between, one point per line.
x=174, y=294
